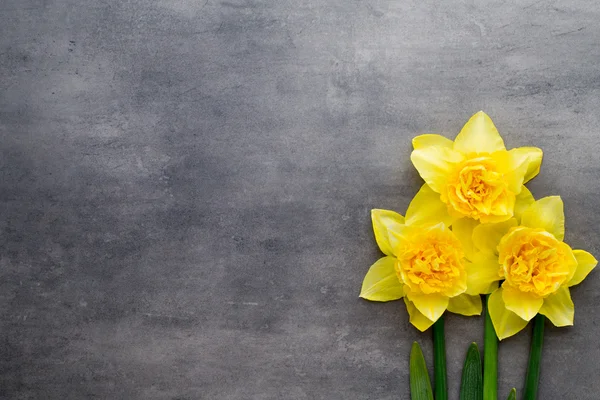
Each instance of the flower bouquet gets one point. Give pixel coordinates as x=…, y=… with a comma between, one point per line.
x=474, y=229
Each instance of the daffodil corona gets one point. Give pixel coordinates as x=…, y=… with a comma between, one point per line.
x=474, y=176
x=425, y=264
x=430, y=260
x=536, y=265
x=533, y=261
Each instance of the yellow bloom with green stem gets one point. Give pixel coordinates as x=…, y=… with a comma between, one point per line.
x=425, y=264
x=537, y=268
x=473, y=176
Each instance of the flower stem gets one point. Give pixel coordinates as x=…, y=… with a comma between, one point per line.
x=439, y=360
x=535, y=356
x=490, y=358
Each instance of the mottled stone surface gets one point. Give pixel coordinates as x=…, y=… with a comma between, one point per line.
x=185, y=187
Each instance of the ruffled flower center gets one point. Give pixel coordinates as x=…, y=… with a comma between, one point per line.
x=478, y=188
x=534, y=261
x=430, y=261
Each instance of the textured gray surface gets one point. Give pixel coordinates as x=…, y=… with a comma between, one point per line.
x=186, y=185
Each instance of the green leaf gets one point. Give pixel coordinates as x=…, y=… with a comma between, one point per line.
x=512, y=395
x=471, y=387
x=420, y=386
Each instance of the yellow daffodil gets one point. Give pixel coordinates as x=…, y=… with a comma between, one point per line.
x=536, y=265
x=425, y=264
x=474, y=176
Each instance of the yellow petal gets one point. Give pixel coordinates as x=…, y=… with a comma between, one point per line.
x=548, y=214
x=435, y=164
x=465, y=304
x=570, y=261
x=482, y=274
x=559, y=308
x=487, y=236
x=431, y=139
x=494, y=219
x=431, y=306
x=523, y=201
x=463, y=230
x=516, y=176
x=533, y=157
x=479, y=135
x=490, y=289
x=381, y=282
x=506, y=323
x=385, y=221
x=585, y=264
x=426, y=208
x=420, y=321
x=459, y=287
x=525, y=305
x=513, y=168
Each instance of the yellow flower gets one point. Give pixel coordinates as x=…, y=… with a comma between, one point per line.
x=537, y=267
x=425, y=264
x=430, y=261
x=534, y=261
x=474, y=176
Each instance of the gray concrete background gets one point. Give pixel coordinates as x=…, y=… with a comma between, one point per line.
x=186, y=185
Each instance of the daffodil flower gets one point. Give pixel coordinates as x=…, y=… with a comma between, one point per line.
x=425, y=264
x=536, y=265
x=474, y=176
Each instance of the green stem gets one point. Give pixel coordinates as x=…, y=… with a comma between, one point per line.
x=535, y=356
x=439, y=360
x=490, y=358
